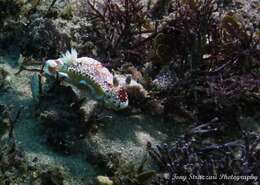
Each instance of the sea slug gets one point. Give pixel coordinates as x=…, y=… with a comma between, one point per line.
x=90, y=73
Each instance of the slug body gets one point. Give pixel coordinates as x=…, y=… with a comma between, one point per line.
x=89, y=73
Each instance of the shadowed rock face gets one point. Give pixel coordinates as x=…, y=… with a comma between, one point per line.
x=64, y=119
x=4, y=79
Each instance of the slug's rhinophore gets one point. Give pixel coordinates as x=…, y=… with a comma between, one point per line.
x=90, y=73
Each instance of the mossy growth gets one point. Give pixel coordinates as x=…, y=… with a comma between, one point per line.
x=163, y=46
x=67, y=12
x=16, y=9
x=122, y=171
x=10, y=8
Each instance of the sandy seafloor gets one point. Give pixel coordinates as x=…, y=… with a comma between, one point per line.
x=127, y=135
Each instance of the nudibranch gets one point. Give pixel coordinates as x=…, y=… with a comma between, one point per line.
x=90, y=73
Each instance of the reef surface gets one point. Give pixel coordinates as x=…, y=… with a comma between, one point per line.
x=117, y=134
x=189, y=70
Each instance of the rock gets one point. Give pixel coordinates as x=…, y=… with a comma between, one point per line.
x=65, y=119
x=11, y=16
x=4, y=79
x=52, y=177
x=88, y=109
x=45, y=39
x=155, y=108
x=103, y=180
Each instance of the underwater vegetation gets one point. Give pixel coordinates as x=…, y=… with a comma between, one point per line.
x=194, y=63
x=188, y=158
x=118, y=26
x=210, y=54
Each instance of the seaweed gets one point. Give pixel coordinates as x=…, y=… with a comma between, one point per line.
x=198, y=60
x=185, y=32
x=160, y=8
x=213, y=56
x=189, y=158
x=119, y=27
